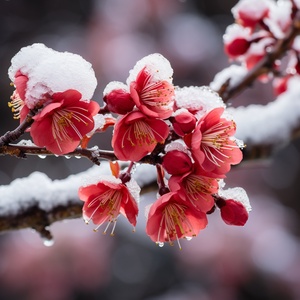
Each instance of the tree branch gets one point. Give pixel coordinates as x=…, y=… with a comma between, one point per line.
x=26, y=204
x=21, y=151
x=264, y=66
x=12, y=136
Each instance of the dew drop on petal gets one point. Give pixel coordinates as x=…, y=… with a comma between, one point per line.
x=77, y=156
x=67, y=156
x=42, y=156
x=160, y=244
x=188, y=238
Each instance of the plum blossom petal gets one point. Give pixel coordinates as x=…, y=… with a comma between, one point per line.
x=151, y=88
x=212, y=144
x=105, y=201
x=62, y=124
x=171, y=218
x=136, y=135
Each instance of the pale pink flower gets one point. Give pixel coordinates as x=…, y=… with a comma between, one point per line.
x=136, y=135
x=62, y=124
x=105, y=201
x=170, y=218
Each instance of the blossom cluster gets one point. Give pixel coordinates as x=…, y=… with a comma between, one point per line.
x=259, y=25
x=186, y=133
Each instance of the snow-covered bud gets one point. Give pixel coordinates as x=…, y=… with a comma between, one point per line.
x=236, y=40
x=117, y=98
x=250, y=12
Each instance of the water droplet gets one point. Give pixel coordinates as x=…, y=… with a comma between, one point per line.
x=48, y=243
x=77, y=156
x=42, y=156
x=67, y=156
x=160, y=244
x=188, y=238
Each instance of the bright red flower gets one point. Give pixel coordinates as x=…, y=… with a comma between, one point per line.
x=155, y=98
x=62, y=124
x=104, y=202
x=136, y=135
x=212, y=145
x=233, y=212
x=195, y=188
x=171, y=218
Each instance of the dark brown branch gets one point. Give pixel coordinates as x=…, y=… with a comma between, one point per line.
x=12, y=136
x=264, y=66
x=21, y=151
x=40, y=220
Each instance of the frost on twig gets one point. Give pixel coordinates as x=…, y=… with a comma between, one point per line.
x=37, y=201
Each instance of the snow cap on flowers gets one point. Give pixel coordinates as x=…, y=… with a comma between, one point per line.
x=199, y=100
x=50, y=71
x=156, y=64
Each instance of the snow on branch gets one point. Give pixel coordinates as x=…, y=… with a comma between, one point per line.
x=37, y=201
x=272, y=123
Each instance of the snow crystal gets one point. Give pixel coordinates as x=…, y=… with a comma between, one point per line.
x=279, y=17
x=237, y=194
x=203, y=99
x=296, y=42
x=115, y=85
x=254, y=8
x=134, y=189
x=156, y=64
x=235, y=30
x=28, y=58
x=272, y=123
x=234, y=73
x=176, y=145
x=50, y=71
x=26, y=143
x=99, y=122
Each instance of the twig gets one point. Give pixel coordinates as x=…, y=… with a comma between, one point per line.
x=93, y=154
x=12, y=136
x=264, y=66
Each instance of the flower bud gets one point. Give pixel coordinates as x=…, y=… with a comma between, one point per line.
x=233, y=212
x=177, y=162
x=237, y=47
x=119, y=101
x=183, y=123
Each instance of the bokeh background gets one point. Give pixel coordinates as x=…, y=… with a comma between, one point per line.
x=259, y=261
